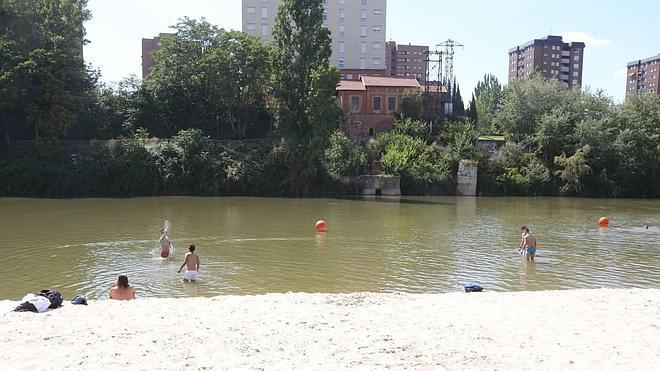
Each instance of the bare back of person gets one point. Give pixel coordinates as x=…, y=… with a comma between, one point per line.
x=192, y=261
x=121, y=290
x=122, y=293
x=528, y=243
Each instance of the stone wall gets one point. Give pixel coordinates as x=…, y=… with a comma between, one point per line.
x=375, y=185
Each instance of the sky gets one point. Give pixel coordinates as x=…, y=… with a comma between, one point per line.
x=615, y=32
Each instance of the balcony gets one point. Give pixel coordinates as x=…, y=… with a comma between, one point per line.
x=565, y=61
x=564, y=69
x=565, y=53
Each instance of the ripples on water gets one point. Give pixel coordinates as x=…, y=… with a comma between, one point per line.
x=254, y=246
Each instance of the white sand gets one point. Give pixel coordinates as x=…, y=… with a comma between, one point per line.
x=576, y=329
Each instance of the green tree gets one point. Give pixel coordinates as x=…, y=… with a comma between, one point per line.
x=412, y=103
x=421, y=166
x=637, y=145
x=457, y=100
x=414, y=128
x=472, y=111
x=208, y=78
x=487, y=98
x=573, y=170
x=344, y=160
x=43, y=81
x=304, y=87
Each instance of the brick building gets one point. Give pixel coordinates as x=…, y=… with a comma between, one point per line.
x=644, y=76
x=148, y=47
x=550, y=56
x=370, y=104
x=406, y=60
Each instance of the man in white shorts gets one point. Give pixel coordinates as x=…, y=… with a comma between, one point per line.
x=191, y=262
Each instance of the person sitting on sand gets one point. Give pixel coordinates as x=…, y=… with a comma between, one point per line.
x=528, y=242
x=191, y=261
x=121, y=290
x=165, y=244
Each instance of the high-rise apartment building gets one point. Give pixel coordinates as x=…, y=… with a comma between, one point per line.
x=357, y=27
x=550, y=56
x=406, y=60
x=644, y=76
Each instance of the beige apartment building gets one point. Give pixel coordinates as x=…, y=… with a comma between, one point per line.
x=406, y=60
x=357, y=26
x=644, y=76
x=550, y=56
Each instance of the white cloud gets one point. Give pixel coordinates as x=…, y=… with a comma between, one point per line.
x=585, y=38
x=623, y=72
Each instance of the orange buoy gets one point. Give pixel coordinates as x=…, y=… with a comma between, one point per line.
x=320, y=226
x=603, y=221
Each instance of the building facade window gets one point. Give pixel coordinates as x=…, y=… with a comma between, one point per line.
x=377, y=104
x=363, y=47
x=363, y=31
x=251, y=10
x=340, y=62
x=342, y=32
x=342, y=14
x=264, y=13
x=391, y=104
x=375, y=61
x=264, y=29
x=378, y=11
x=355, y=104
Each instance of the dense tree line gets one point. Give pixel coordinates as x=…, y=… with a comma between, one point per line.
x=209, y=84
x=568, y=141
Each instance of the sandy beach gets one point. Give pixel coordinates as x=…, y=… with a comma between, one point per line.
x=573, y=329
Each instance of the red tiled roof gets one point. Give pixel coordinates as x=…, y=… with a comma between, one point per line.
x=390, y=82
x=350, y=85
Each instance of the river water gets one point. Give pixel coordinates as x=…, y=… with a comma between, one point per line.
x=264, y=245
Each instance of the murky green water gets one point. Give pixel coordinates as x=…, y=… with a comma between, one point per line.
x=260, y=245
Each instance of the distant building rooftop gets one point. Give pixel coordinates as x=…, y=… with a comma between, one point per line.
x=548, y=40
x=647, y=60
x=365, y=81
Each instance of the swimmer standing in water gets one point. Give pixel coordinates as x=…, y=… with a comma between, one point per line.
x=528, y=243
x=191, y=262
x=165, y=244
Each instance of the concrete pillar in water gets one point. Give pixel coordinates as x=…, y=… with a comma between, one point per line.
x=466, y=178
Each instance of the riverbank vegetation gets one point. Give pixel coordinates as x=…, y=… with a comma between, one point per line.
x=569, y=142
x=160, y=135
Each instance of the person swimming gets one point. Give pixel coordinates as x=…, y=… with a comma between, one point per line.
x=165, y=244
